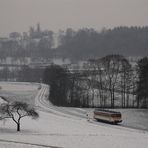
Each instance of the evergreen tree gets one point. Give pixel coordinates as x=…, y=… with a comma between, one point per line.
x=57, y=78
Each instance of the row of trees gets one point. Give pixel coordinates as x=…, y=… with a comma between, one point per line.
x=83, y=43
x=110, y=81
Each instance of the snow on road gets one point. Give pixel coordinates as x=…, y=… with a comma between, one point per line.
x=60, y=128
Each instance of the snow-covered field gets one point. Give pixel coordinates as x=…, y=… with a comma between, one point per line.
x=15, y=91
x=67, y=128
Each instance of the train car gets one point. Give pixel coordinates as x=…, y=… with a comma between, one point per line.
x=107, y=116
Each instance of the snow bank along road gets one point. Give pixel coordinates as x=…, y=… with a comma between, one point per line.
x=68, y=128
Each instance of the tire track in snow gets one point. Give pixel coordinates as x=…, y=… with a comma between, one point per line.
x=43, y=105
x=27, y=143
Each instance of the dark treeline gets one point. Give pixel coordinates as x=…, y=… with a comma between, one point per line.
x=89, y=43
x=110, y=81
x=83, y=43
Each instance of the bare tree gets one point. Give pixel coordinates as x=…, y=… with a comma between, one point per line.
x=110, y=75
x=142, y=84
x=126, y=82
x=95, y=72
x=90, y=70
x=16, y=111
x=112, y=67
x=79, y=89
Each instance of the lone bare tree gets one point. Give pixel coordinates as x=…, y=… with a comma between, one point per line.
x=16, y=111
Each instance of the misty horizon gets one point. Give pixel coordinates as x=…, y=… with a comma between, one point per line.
x=74, y=29
x=19, y=15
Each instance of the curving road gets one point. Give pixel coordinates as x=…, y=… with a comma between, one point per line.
x=42, y=103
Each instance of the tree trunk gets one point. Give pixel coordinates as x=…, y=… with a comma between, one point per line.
x=113, y=104
x=18, y=127
x=138, y=101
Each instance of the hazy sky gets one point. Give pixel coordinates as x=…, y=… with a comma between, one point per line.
x=18, y=15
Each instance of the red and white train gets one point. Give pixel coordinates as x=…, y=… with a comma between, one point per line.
x=107, y=116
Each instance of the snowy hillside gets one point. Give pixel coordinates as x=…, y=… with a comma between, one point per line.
x=66, y=128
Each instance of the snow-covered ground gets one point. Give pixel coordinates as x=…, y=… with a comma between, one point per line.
x=16, y=91
x=18, y=86
x=67, y=128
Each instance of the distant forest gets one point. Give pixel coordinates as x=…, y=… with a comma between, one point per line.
x=88, y=43
x=81, y=44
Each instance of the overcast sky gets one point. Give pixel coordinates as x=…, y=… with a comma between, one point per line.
x=18, y=15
